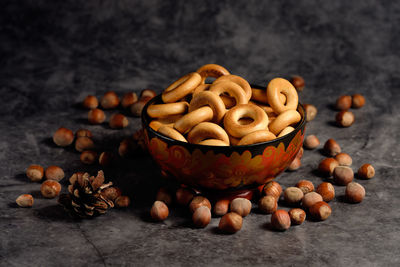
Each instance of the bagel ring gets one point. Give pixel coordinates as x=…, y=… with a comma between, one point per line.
x=210, y=99
x=213, y=142
x=201, y=88
x=283, y=120
x=238, y=80
x=166, y=110
x=279, y=86
x=232, y=117
x=168, y=121
x=256, y=137
x=233, y=89
x=260, y=95
x=181, y=88
x=286, y=131
x=191, y=119
x=270, y=112
x=228, y=101
x=211, y=70
x=207, y=130
x=171, y=133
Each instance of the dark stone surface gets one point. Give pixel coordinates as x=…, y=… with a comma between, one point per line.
x=54, y=53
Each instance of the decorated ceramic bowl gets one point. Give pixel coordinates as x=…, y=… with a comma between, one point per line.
x=228, y=168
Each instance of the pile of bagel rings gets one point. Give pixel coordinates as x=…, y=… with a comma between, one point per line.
x=225, y=112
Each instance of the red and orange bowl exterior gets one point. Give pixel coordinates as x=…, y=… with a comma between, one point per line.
x=228, y=168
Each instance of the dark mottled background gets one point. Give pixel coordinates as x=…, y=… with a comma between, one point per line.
x=54, y=53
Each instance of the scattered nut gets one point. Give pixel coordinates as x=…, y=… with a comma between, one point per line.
x=50, y=188
x=106, y=158
x=230, y=223
x=332, y=148
x=25, y=201
x=88, y=157
x=366, y=171
x=241, y=206
x=310, y=199
x=311, y=111
x=326, y=190
x=147, y=93
x=136, y=108
x=35, y=173
x=305, y=186
x=118, y=121
x=221, y=207
x=184, y=196
x=83, y=143
x=54, y=173
x=111, y=193
x=90, y=102
x=355, y=192
x=83, y=133
x=280, y=220
x=298, y=83
x=63, y=137
x=96, y=116
x=109, y=100
x=295, y=165
x=268, y=204
x=272, y=188
x=342, y=175
x=128, y=99
x=358, y=101
x=127, y=147
x=199, y=201
x=320, y=211
x=293, y=195
x=344, y=159
x=164, y=196
x=122, y=202
x=159, y=211
x=297, y=216
x=345, y=118
x=311, y=142
x=201, y=216
x=343, y=102
x=326, y=166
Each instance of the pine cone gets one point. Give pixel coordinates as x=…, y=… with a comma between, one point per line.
x=85, y=199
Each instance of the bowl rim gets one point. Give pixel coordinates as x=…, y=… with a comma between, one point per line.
x=145, y=123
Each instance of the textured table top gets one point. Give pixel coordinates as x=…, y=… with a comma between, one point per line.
x=56, y=53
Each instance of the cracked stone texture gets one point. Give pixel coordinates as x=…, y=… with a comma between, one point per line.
x=54, y=53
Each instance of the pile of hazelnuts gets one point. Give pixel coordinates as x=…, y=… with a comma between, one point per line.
x=344, y=117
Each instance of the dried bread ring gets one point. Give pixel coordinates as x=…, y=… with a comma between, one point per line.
x=260, y=95
x=166, y=110
x=228, y=101
x=207, y=130
x=270, y=112
x=230, y=88
x=238, y=80
x=286, y=130
x=256, y=137
x=191, y=119
x=232, y=117
x=169, y=121
x=201, y=88
x=233, y=140
x=213, y=142
x=181, y=88
x=211, y=70
x=171, y=133
x=207, y=98
x=279, y=86
x=283, y=120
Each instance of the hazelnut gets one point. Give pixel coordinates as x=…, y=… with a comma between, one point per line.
x=159, y=211
x=343, y=102
x=344, y=159
x=241, y=206
x=355, y=192
x=106, y=158
x=84, y=143
x=311, y=142
x=342, y=175
x=127, y=147
x=221, y=207
x=199, y=201
x=331, y=147
x=35, y=173
x=305, y=186
x=111, y=193
x=297, y=216
x=345, y=118
x=280, y=220
x=109, y=100
x=230, y=223
x=136, y=108
x=164, y=196
x=366, y=171
x=63, y=137
x=300, y=153
x=83, y=133
x=88, y=157
x=358, y=101
x=272, y=188
x=201, y=216
x=320, y=211
x=96, y=116
x=326, y=190
x=298, y=83
x=50, y=188
x=293, y=195
x=122, y=202
x=128, y=99
x=268, y=204
x=327, y=165
x=311, y=111
x=147, y=93
x=310, y=199
x=25, y=201
x=90, y=102
x=295, y=165
x=118, y=121
x=184, y=196
x=54, y=173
